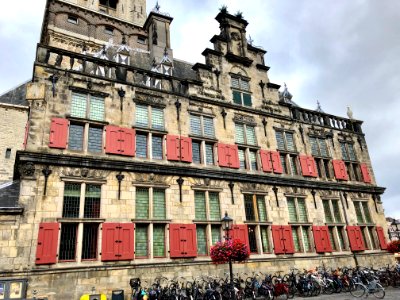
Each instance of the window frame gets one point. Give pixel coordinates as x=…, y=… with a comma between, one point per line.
x=150, y=122
x=88, y=101
x=240, y=90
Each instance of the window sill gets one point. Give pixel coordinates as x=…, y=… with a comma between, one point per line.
x=80, y=220
x=207, y=222
x=335, y=224
x=287, y=152
x=255, y=147
x=151, y=130
x=258, y=223
x=148, y=221
x=203, y=138
x=300, y=224
x=84, y=120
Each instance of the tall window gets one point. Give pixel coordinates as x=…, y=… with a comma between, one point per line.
x=288, y=155
x=150, y=211
x=256, y=217
x=334, y=220
x=203, y=134
x=81, y=202
x=241, y=91
x=350, y=159
x=362, y=212
x=207, y=210
x=109, y=3
x=320, y=152
x=245, y=135
x=301, y=233
x=149, y=132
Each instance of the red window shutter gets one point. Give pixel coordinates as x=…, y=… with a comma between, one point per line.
x=58, y=133
x=266, y=160
x=288, y=239
x=304, y=165
x=277, y=236
x=128, y=142
x=110, y=244
x=340, y=169
x=113, y=140
x=190, y=245
x=381, y=237
x=319, y=248
x=186, y=149
x=176, y=240
x=223, y=151
x=325, y=240
x=241, y=232
x=46, y=251
x=276, y=162
x=355, y=238
x=312, y=167
x=365, y=173
x=26, y=135
x=173, y=147
x=233, y=157
x=126, y=241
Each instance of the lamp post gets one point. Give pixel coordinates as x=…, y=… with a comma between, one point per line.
x=227, y=223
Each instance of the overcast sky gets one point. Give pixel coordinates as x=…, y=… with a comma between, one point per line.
x=339, y=52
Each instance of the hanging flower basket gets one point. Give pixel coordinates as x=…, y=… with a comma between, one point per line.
x=235, y=250
x=393, y=247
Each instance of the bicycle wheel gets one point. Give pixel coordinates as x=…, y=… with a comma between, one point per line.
x=328, y=288
x=379, y=291
x=358, y=290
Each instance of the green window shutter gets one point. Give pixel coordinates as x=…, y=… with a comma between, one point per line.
x=242, y=159
x=262, y=211
x=292, y=210
x=96, y=110
x=358, y=212
x=78, y=105
x=208, y=127
x=341, y=238
x=327, y=211
x=293, y=165
x=336, y=211
x=237, y=97
x=323, y=147
x=196, y=153
x=290, y=141
x=279, y=140
x=72, y=196
x=92, y=201
x=239, y=133
x=365, y=237
x=367, y=214
x=302, y=210
x=250, y=135
x=314, y=146
x=141, y=249
x=157, y=147
x=253, y=160
x=332, y=240
x=246, y=99
x=264, y=239
x=344, y=151
x=158, y=240
x=195, y=125
x=209, y=154
x=157, y=118
x=283, y=163
x=200, y=205
x=296, y=240
x=201, y=240
x=75, y=139
x=372, y=237
x=215, y=233
x=215, y=213
x=306, y=239
x=142, y=203
x=141, y=145
x=142, y=116
x=95, y=139
x=159, y=204
x=352, y=154
x=249, y=207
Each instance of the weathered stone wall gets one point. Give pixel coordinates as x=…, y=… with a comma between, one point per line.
x=13, y=120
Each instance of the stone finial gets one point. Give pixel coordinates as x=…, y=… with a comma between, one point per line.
x=349, y=112
x=319, y=108
x=285, y=95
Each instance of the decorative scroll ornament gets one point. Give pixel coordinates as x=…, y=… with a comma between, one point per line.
x=240, y=118
x=27, y=170
x=84, y=173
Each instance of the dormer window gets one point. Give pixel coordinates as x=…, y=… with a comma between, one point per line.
x=72, y=19
x=109, y=30
x=241, y=90
x=109, y=3
x=141, y=39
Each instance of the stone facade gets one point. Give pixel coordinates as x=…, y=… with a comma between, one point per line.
x=101, y=150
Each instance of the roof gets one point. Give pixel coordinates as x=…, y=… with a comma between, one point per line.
x=9, y=194
x=15, y=96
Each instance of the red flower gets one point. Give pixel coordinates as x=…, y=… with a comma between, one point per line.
x=393, y=247
x=235, y=250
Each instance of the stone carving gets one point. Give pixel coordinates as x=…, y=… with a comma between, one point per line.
x=240, y=118
x=329, y=193
x=294, y=191
x=253, y=187
x=150, y=178
x=207, y=183
x=150, y=99
x=27, y=170
x=84, y=173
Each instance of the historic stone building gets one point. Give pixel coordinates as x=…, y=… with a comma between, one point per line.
x=132, y=157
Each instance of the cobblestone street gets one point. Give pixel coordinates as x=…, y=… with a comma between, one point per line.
x=390, y=294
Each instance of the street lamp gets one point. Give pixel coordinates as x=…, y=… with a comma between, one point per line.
x=227, y=223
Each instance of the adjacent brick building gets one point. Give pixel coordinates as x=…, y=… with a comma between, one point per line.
x=133, y=156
